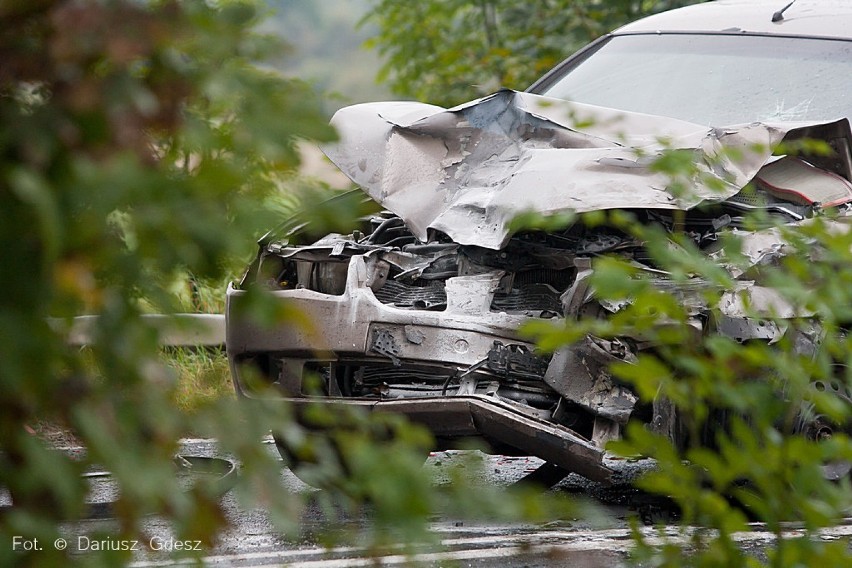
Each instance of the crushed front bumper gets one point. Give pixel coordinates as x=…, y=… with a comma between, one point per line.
x=349, y=325
x=474, y=415
x=355, y=325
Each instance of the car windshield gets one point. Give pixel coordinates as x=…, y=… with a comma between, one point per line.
x=714, y=79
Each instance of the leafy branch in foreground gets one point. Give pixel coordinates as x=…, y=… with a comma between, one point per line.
x=751, y=425
x=136, y=140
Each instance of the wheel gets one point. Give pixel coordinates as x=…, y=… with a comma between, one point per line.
x=817, y=427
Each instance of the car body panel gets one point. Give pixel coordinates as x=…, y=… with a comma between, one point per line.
x=805, y=18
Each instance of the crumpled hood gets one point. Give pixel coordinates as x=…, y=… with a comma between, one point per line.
x=469, y=170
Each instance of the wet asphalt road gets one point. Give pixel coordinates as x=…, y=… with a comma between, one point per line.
x=252, y=539
x=602, y=539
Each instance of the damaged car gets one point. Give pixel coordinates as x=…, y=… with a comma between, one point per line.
x=419, y=311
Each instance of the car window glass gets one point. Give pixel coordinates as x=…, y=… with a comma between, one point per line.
x=715, y=79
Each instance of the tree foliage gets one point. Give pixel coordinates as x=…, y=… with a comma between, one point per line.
x=136, y=138
x=328, y=48
x=446, y=52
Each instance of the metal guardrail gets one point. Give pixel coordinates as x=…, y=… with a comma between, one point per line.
x=176, y=330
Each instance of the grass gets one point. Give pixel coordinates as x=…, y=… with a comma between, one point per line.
x=202, y=376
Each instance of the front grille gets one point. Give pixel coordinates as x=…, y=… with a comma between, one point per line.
x=532, y=291
x=376, y=375
x=528, y=297
x=559, y=279
x=378, y=380
x=385, y=381
x=401, y=295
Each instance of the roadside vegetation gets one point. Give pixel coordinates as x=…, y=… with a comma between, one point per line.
x=202, y=377
x=447, y=52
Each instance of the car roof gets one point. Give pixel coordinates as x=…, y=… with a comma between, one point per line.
x=812, y=18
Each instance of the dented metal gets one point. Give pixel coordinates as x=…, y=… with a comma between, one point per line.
x=580, y=374
x=468, y=171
